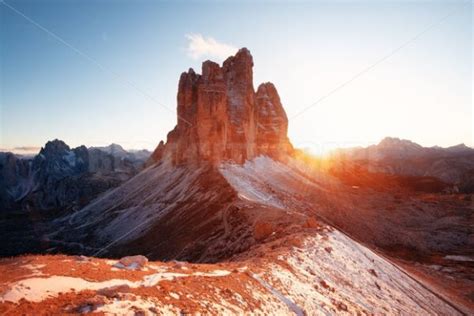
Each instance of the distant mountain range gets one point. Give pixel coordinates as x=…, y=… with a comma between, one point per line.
x=396, y=148
x=452, y=165
x=61, y=178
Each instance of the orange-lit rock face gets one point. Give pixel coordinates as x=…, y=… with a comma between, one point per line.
x=272, y=123
x=220, y=117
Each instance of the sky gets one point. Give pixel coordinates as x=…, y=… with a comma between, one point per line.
x=348, y=72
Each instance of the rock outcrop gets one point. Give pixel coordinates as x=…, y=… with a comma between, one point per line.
x=222, y=118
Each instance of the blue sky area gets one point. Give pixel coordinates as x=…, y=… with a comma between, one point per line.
x=119, y=81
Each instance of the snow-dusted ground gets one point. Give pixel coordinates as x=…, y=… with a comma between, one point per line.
x=247, y=182
x=269, y=182
x=137, y=204
x=218, y=298
x=349, y=272
x=37, y=289
x=129, y=307
x=328, y=274
x=335, y=270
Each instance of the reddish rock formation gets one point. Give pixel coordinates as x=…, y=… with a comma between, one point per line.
x=272, y=123
x=157, y=154
x=220, y=117
x=262, y=230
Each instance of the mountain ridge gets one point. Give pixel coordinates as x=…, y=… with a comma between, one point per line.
x=453, y=165
x=394, y=147
x=43, y=181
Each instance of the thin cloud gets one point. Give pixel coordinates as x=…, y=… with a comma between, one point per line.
x=200, y=46
x=27, y=148
x=22, y=150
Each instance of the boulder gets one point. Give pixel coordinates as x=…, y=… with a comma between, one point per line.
x=262, y=230
x=132, y=262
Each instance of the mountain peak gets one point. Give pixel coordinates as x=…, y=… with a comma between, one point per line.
x=114, y=148
x=397, y=142
x=221, y=117
x=54, y=147
x=459, y=147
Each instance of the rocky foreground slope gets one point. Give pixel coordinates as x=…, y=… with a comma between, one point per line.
x=236, y=221
x=315, y=271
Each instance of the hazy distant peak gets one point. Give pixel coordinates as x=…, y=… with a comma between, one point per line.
x=115, y=146
x=113, y=149
x=397, y=142
x=459, y=147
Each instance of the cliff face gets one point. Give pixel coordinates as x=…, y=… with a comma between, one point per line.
x=221, y=117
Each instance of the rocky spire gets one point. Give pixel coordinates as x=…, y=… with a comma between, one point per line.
x=220, y=117
x=272, y=122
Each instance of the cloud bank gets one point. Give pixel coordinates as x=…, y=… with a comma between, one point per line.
x=200, y=46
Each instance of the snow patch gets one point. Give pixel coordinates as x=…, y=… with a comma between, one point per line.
x=70, y=158
x=135, y=306
x=459, y=258
x=246, y=182
x=269, y=182
x=38, y=289
x=34, y=268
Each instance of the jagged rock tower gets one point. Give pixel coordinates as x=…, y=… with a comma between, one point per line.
x=222, y=118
